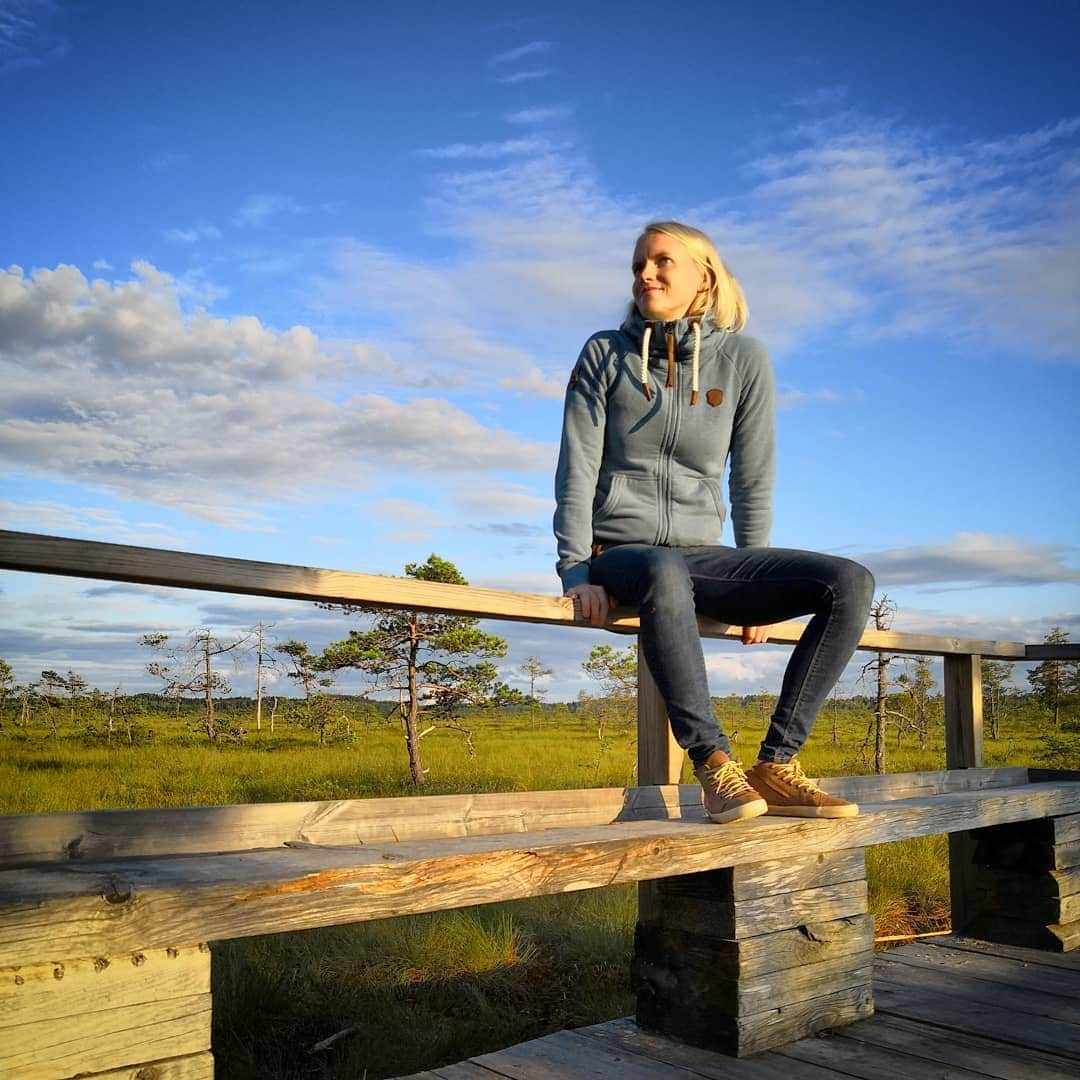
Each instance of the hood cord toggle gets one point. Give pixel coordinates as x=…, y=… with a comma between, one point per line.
x=646, y=338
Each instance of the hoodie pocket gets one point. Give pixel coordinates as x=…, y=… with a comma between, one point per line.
x=627, y=512
x=697, y=510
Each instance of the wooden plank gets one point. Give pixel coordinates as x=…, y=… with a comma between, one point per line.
x=1057, y=937
x=106, y=1039
x=1041, y=909
x=1010, y=886
x=976, y=1017
x=850, y=1058
x=693, y=910
x=1069, y=650
x=624, y=1035
x=108, y=908
x=963, y=712
x=979, y=1052
x=1033, y=957
x=1018, y=974
x=189, y=1067
x=566, y=1055
x=463, y=1070
x=87, y=836
x=750, y=881
x=976, y=987
x=35, y=553
x=34, y=992
x=803, y=946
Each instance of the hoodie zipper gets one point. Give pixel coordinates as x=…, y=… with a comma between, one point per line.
x=671, y=434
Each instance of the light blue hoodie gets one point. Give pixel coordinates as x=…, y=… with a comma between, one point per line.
x=639, y=463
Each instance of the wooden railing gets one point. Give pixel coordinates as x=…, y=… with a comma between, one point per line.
x=780, y=936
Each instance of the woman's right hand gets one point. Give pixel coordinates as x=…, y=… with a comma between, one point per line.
x=594, y=600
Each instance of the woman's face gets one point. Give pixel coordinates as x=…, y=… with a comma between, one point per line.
x=667, y=279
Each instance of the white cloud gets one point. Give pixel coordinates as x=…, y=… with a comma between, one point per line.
x=511, y=56
x=94, y=522
x=974, y=558
x=28, y=38
x=114, y=387
x=190, y=235
x=524, y=76
x=540, y=114
x=792, y=399
x=487, y=150
x=534, y=383
x=102, y=264
x=259, y=209
x=504, y=501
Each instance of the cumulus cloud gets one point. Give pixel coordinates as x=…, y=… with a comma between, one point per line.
x=974, y=558
x=113, y=386
x=67, y=520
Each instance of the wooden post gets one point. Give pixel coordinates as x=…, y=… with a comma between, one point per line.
x=963, y=750
x=1024, y=884
x=659, y=756
x=145, y=1013
x=755, y=956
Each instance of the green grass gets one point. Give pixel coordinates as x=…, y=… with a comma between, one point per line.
x=424, y=990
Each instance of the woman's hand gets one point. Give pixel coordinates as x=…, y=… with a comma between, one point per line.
x=594, y=600
x=755, y=635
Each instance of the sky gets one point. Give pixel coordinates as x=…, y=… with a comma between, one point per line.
x=304, y=283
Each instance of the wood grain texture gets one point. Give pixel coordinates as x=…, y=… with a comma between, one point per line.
x=1057, y=961
x=712, y=916
x=626, y=1036
x=106, y=1039
x=749, y=958
x=963, y=712
x=108, y=908
x=189, y=1067
x=69, y=988
x=95, y=835
x=980, y=1052
x=922, y=1001
x=659, y=756
x=36, y=553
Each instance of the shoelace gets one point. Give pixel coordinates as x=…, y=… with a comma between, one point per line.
x=728, y=780
x=795, y=776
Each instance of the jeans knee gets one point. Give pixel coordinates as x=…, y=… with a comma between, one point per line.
x=856, y=582
x=666, y=579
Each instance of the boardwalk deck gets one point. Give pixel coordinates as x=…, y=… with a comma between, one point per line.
x=956, y=1008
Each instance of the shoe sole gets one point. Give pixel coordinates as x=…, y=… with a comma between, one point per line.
x=741, y=813
x=851, y=810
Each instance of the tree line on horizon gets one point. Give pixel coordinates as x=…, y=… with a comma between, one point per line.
x=441, y=666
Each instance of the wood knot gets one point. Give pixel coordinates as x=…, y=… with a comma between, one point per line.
x=19, y=980
x=171, y=952
x=72, y=849
x=138, y=959
x=58, y=972
x=100, y=964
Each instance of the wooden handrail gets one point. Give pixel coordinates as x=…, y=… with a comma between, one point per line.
x=36, y=553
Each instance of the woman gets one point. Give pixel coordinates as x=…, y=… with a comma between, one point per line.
x=653, y=413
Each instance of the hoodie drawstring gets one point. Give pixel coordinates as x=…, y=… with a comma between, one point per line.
x=646, y=338
x=645, y=362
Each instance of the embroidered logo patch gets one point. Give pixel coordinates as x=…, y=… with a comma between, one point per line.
x=714, y=397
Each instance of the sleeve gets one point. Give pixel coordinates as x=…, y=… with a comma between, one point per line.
x=580, y=453
x=753, y=449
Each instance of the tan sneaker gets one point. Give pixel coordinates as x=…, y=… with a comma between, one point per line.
x=788, y=791
x=727, y=795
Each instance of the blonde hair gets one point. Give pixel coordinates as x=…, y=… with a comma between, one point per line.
x=724, y=296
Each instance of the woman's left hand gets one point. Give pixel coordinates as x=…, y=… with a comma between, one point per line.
x=755, y=635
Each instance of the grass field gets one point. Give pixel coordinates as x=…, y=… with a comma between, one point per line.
x=415, y=992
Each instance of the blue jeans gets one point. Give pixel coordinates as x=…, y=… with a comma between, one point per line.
x=742, y=587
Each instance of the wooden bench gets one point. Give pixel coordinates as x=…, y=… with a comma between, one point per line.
x=749, y=935
x=757, y=933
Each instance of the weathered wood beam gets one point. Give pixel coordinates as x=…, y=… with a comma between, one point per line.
x=34, y=553
x=96, y=835
x=105, y=908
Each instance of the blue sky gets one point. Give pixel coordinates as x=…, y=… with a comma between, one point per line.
x=304, y=283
